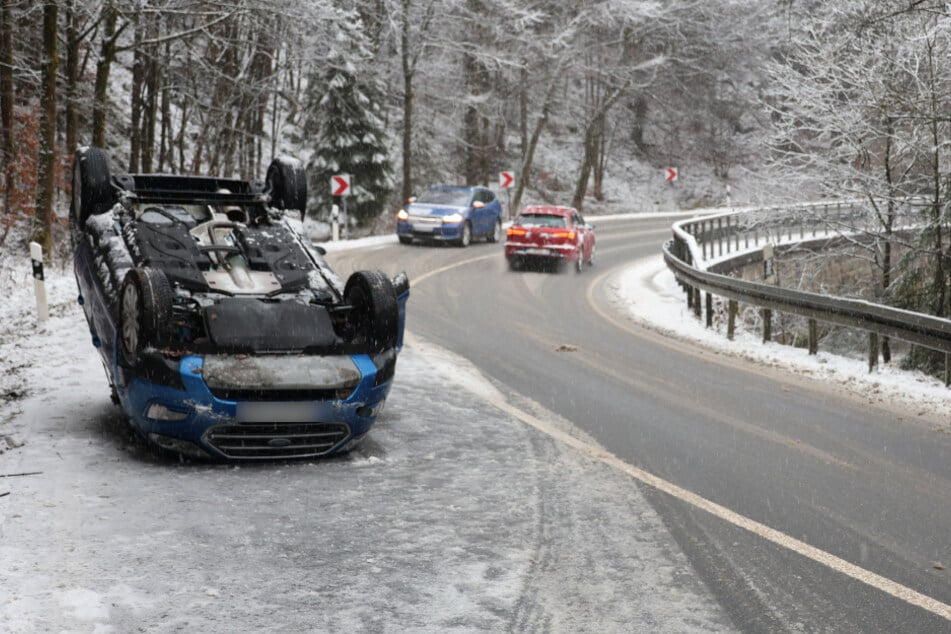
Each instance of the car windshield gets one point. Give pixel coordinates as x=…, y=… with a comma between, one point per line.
x=541, y=220
x=452, y=197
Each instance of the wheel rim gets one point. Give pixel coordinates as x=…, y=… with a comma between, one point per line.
x=466, y=235
x=130, y=318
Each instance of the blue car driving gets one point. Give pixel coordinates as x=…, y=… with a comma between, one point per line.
x=456, y=215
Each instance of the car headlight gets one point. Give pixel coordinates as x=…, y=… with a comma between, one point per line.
x=157, y=411
x=402, y=214
x=451, y=218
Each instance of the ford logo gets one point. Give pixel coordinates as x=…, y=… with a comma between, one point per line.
x=279, y=442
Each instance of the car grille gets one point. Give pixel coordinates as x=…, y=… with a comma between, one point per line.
x=256, y=394
x=276, y=440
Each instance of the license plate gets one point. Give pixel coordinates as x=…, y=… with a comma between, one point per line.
x=536, y=251
x=423, y=228
x=265, y=412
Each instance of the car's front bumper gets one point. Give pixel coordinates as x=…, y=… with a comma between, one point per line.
x=240, y=407
x=429, y=230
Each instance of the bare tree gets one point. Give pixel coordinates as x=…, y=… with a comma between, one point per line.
x=45, y=194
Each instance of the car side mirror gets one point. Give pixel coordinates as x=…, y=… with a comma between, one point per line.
x=319, y=249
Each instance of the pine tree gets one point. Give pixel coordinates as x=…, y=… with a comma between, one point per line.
x=344, y=121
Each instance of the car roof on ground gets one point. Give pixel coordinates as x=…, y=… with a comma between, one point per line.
x=552, y=210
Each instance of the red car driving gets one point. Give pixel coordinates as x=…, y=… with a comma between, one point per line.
x=549, y=235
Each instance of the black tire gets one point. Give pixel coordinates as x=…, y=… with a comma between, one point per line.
x=93, y=193
x=145, y=313
x=466, y=238
x=514, y=264
x=405, y=240
x=496, y=234
x=287, y=183
x=374, y=310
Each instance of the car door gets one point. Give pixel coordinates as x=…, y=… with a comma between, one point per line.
x=481, y=213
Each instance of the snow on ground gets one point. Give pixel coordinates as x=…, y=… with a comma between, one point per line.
x=454, y=517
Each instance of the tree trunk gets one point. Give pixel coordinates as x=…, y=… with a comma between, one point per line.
x=408, y=71
x=107, y=54
x=6, y=81
x=43, y=227
x=8, y=149
x=135, y=99
x=72, y=78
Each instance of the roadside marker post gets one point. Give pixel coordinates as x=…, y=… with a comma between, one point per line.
x=39, y=282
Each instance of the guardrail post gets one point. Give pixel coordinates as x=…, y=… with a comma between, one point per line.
x=767, y=324
x=696, y=302
x=872, y=350
x=703, y=238
x=813, y=337
x=709, y=310
x=947, y=369
x=719, y=234
x=731, y=319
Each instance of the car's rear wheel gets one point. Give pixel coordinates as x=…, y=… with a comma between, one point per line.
x=92, y=188
x=514, y=263
x=145, y=312
x=374, y=312
x=496, y=234
x=287, y=183
x=465, y=239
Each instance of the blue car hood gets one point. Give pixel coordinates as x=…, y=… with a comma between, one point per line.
x=422, y=209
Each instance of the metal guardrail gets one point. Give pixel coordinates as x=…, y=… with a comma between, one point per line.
x=702, y=249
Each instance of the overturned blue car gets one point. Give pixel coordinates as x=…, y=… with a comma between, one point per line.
x=224, y=334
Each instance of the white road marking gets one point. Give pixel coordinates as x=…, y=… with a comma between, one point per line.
x=869, y=578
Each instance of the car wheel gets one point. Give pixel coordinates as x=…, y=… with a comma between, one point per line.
x=466, y=238
x=374, y=313
x=287, y=183
x=405, y=240
x=514, y=264
x=92, y=188
x=496, y=234
x=145, y=312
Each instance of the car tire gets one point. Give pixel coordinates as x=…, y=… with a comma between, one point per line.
x=496, y=234
x=466, y=238
x=145, y=312
x=93, y=193
x=514, y=264
x=405, y=240
x=374, y=314
x=287, y=183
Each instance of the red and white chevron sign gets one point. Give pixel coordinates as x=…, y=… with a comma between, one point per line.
x=670, y=174
x=506, y=179
x=340, y=185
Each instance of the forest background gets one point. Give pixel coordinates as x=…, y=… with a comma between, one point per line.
x=753, y=101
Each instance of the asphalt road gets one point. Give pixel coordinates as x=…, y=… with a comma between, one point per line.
x=847, y=499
